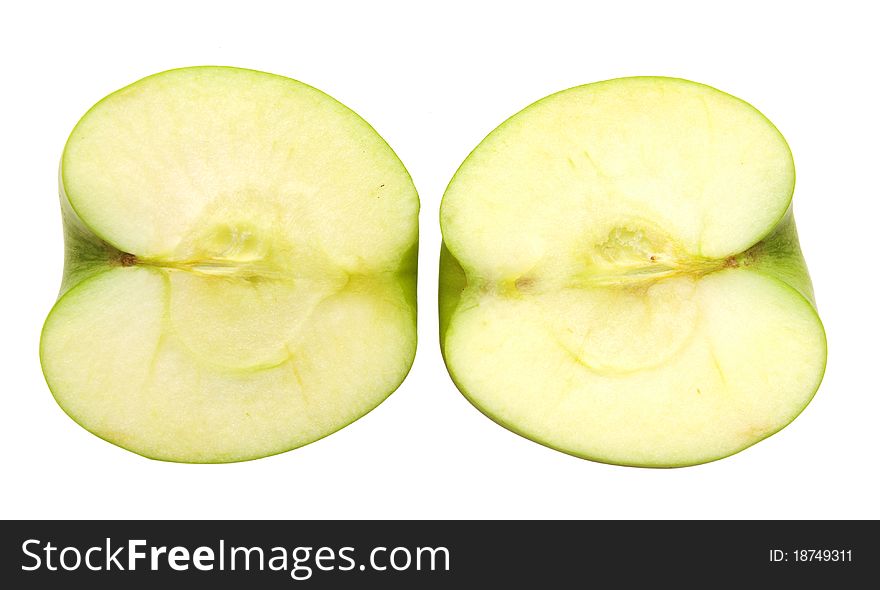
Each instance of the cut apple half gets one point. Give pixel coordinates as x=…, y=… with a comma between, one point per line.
x=240, y=267
x=621, y=278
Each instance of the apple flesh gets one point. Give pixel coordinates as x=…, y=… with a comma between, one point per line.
x=621, y=278
x=240, y=267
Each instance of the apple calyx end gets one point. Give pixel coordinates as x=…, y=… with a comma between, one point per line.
x=127, y=259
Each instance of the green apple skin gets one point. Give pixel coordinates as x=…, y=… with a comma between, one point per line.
x=777, y=255
x=85, y=255
x=88, y=256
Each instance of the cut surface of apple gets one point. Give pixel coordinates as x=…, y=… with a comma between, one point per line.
x=240, y=267
x=621, y=277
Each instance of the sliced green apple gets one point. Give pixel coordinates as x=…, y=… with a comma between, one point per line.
x=621, y=277
x=240, y=268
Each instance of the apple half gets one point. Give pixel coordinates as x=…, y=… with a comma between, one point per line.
x=621, y=278
x=240, y=267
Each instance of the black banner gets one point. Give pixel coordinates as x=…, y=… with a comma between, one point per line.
x=436, y=554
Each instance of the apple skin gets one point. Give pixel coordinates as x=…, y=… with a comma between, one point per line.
x=85, y=255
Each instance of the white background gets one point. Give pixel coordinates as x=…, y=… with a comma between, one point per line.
x=433, y=82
